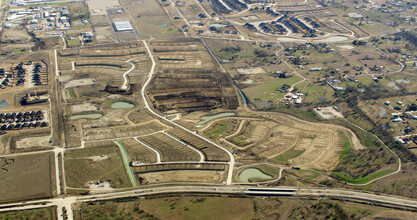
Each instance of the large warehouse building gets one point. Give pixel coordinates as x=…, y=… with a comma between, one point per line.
x=122, y=26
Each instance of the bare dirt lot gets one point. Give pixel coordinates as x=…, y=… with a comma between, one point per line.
x=328, y=112
x=189, y=80
x=280, y=139
x=43, y=141
x=27, y=177
x=182, y=176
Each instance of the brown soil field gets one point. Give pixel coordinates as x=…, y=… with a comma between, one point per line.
x=280, y=139
x=169, y=148
x=80, y=168
x=180, y=87
x=182, y=176
x=27, y=177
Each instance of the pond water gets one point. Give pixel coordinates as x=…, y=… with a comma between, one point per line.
x=122, y=105
x=88, y=116
x=163, y=25
x=206, y=119
x=333, y=39
x=4, y=104
x=288, y=39
x=249, y=173
x=219, y=25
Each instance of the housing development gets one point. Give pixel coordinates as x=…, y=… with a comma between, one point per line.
x=208, y=109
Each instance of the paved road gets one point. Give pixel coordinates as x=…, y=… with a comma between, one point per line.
x=355, y=196
x=151, y=72
x=125, y=79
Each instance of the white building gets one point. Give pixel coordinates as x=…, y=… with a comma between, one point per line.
x=123, y=26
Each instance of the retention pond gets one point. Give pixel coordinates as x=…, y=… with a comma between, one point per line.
x=122, y=105
x=206, y=119
x=4, y=104
x=252, y=173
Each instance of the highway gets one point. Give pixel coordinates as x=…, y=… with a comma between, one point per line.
x=349, y=195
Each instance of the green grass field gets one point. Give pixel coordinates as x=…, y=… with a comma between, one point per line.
x=290, y=154
x=314, y=91
x=297, y=112
x=267, y=91
x=216, y=130
x=73, y=43
x=71, y=92
x=44, y=213
x=351, y=159
x=184, y=207
x=316, y=57
x=80, y=169
x=199, y=208
x=241, y=138
x=361, y=180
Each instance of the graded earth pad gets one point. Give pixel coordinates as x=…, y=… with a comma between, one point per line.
x=26, y=177
x=188, y=80
x=283, y=140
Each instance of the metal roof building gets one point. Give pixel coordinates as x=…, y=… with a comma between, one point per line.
x=123, y=26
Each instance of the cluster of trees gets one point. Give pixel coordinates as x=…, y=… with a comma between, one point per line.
x=250, y=27
x=231, y=49
x=260, y=53
x=351, y=96
x=357, y=164
x=410, y=36
x=359, y=42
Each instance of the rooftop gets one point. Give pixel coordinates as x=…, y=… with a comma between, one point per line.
x=123, y=26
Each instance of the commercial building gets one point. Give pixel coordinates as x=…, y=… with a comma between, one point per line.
x=122, y=26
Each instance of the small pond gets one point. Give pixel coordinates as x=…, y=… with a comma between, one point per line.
x=206, y=119
x=88, y=116
x=122, y=105
x=4, y=104
x=249, y=173
x=333, y=39
x=219, y=25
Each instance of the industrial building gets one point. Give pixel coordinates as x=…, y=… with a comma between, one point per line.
x=122, y=26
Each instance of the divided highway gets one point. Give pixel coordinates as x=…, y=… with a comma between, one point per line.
x=349, y=195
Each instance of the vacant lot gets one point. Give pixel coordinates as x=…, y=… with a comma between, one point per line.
x=221, y=128
x=26, y=177
x=45, y=213
x=270, y=90
x=150, y=19
x=196, y=207
x=173, y=208
x=95, y=164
